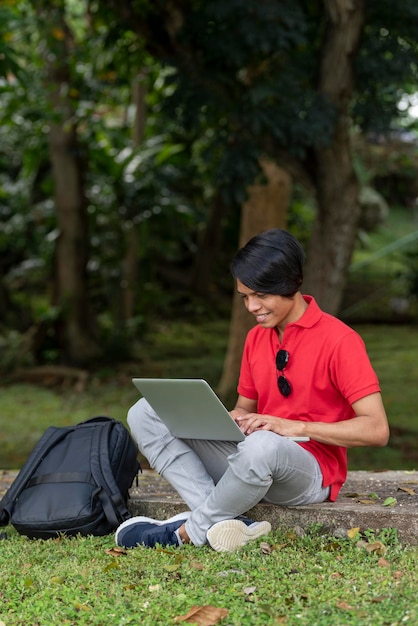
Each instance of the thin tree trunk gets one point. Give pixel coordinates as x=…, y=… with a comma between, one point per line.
x=77, y=329
x=208, y=248
x=130, y=261
x=266, y=207
x=333, y=237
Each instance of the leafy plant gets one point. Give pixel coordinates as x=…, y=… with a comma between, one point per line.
x=15, y=350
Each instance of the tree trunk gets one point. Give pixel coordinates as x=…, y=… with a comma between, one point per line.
x=79, y=344
x=130, y=261
x=209, y=246
x=333, y=237
x=265, y=208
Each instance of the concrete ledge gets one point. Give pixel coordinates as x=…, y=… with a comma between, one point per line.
x=360, y=504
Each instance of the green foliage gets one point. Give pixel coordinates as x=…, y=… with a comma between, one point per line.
x=410, y=273
x=301, y=214
x=250, y=76
x=15, y=352
x=386, y=66
x=315, y=579
x=226, y=83
x=9, y=59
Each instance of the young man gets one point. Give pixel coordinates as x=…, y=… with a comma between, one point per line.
x=303, y=373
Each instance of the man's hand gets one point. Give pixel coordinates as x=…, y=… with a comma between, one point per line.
x=251, y=422
x=368, y=426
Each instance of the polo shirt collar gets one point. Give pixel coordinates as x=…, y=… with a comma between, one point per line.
x=311, y=316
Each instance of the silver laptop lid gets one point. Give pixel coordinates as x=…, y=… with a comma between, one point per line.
x=189, y=408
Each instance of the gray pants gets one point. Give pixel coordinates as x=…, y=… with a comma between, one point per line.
x=220, y=480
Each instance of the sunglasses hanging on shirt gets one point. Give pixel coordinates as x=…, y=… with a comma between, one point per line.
x=282, y=358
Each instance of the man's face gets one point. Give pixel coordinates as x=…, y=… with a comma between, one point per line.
x=270, y=311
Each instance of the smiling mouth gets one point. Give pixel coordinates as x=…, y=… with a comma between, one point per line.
x=261, y=318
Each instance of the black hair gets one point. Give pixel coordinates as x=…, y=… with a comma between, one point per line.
x=271, y=262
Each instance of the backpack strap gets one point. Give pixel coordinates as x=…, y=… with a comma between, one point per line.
x=59, y=477
x=97, y=419
x=110, y=496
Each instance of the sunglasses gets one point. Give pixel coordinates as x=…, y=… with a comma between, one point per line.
x=282, y=358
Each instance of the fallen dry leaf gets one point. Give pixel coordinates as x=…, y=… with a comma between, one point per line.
x=345, y=606
x=398, y=575
x=266, y=548
x=383, y=562
x=172, y=567
x=112, y=565
x=116, y=551
x=82, y=607
x=196, y=565
x=376, y=546
x=408, y=490
x=291, y=535
x=353, y=532
x=206, y=615
x=57, y=580
x=227, y=572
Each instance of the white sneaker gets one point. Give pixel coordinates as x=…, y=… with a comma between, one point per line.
x=231, y=534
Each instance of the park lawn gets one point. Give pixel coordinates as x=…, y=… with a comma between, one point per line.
x=285, y=578
x=184, y=350
x=190, y=350
x=392, y=350
x=315, y=579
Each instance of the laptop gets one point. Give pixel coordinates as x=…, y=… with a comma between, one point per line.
x=191, y=409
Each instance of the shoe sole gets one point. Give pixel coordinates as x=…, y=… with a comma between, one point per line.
x=231, y=534
x=157, y=522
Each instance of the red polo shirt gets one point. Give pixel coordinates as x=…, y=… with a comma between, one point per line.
x=328, y=369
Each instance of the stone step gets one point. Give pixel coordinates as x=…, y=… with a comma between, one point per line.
x=363, y=502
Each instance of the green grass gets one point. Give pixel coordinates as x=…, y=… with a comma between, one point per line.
x=399, y=223
x=377, y=284
x=190, y=350
x=394, y=357
x=315, y=580
x=392, y=350
x=173, y=349
x=28, y=410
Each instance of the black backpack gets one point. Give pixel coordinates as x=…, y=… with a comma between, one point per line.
x=75, y=481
